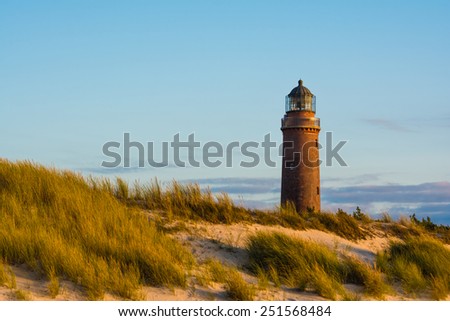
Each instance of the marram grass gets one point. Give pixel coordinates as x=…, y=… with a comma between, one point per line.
x=95, y=232
x=304, y=264
x=418, y=263
x=62, y=225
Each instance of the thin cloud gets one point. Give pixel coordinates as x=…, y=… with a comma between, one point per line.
x=240, y=185
x=387, y=124
x=355, y=180
x=438, y=192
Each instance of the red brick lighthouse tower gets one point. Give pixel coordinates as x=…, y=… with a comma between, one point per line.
x=300, y=181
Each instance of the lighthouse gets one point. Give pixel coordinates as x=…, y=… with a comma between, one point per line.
x=300, y=178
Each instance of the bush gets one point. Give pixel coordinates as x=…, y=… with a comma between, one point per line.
x=360, y=216
x=440, y=231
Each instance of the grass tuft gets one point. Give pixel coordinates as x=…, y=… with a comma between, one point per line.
x=53, y=284
x=418, y=263
x=359, y=272
x=439, y=287
x=3, y=274
x=236, y=287
x=304, y=264
x=325, y=284
x=22, y=295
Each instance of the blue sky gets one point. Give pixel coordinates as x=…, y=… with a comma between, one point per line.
x=76, y=74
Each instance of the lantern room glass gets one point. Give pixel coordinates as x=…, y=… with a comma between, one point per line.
x=300, y=103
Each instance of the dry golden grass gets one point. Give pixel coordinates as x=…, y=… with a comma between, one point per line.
x=304, y=264
x=97, y=234
x=53, y=284
x=189, y=201
x=63, y=226
x=22, y=295
x=236, y=287
x=418, y=263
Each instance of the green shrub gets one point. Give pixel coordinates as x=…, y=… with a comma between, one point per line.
x=360, y=216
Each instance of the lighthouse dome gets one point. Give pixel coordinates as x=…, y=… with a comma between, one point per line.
x=300, y=90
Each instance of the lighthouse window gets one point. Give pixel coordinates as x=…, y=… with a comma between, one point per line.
x=318, y=190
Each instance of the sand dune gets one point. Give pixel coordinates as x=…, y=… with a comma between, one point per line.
x=225, y=243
